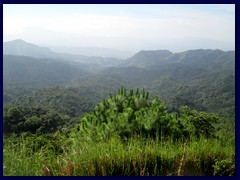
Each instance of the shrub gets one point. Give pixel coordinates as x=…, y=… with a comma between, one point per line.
x=133, y=113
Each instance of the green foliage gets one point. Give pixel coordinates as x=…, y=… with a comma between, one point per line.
x=35, y=120
x=55, y=142
x=224, y=167
x=133, y=113
x=203, y=123
x=214, y=92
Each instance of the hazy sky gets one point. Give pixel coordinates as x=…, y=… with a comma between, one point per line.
x=50, y=24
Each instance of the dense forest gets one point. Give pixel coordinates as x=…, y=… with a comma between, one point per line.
x=155, y=113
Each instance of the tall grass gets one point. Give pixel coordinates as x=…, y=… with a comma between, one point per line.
x=134, y=156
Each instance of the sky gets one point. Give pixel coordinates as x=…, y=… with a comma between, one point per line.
x=123, y=26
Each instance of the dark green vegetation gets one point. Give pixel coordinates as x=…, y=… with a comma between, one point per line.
x=55, y=125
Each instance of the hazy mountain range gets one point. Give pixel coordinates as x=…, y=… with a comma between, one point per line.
x=201, y=79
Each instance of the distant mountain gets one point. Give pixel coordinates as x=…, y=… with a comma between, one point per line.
x=147, y=66
x=22, y=48
x=192, y=58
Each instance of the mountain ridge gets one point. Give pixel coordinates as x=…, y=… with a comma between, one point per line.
x=197, y=78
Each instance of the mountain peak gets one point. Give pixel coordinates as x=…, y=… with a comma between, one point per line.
x=18, y=40
x=23, y=48
x=149, y=57
x=152, y=54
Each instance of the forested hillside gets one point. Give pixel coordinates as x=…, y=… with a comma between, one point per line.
x=201, y=79
x=27, y=71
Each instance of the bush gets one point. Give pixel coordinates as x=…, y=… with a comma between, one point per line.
x=128, y=114
x=225, y=167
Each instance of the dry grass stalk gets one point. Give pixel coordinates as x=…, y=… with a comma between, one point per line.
x=134, y=162
x=101, y=167
x=182, y=160
x=69, y=170
x=103, y=171
x=92, y=169
x=46, y=171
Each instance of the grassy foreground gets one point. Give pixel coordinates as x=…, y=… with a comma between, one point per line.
x=115, y=156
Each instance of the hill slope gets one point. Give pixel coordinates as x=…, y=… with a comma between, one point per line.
x=39, y=72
